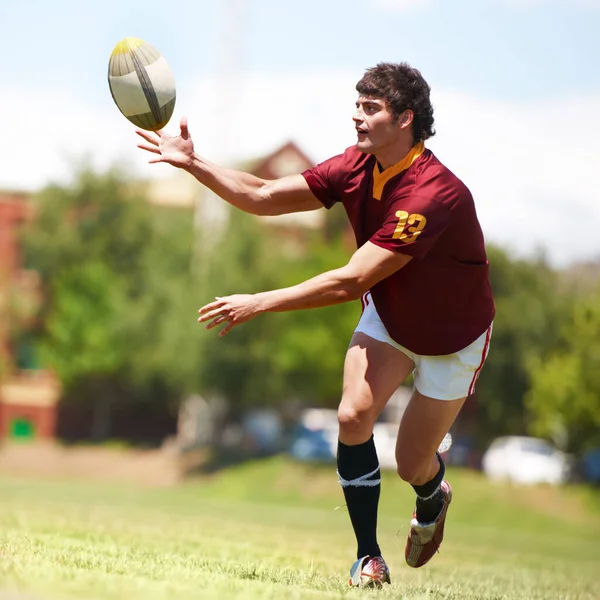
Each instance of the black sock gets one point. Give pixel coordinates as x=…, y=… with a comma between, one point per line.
x=429, y=496
x=360, y=477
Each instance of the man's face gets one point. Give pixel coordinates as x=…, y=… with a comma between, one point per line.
x=375, y=125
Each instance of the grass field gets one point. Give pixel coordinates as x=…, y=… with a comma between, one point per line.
x=275, y=530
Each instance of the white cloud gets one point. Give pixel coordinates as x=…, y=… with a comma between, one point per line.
x=532, y=168
x=48, y=132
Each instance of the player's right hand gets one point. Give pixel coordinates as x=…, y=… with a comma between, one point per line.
x=174, y=150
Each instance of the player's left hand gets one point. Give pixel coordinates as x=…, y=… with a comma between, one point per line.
x=232, y=310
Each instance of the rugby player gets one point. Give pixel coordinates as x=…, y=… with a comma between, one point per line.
x=422, y=273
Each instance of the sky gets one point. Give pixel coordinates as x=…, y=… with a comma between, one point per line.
x=515, y=87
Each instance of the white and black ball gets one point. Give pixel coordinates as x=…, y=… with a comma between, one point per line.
x=141, y=83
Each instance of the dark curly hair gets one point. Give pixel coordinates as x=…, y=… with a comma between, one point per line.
x=402, y=87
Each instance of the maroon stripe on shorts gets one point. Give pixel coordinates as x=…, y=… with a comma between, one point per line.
x=364, y=301
x=484, y=353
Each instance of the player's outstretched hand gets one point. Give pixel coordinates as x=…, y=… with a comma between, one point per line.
x=232, y=310
x=175, y=150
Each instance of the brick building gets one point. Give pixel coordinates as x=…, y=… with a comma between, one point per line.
x=28, y=399
x=15, y=209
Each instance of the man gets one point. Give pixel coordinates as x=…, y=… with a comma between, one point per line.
x=422, y=272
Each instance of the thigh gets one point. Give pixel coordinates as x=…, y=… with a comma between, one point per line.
x=373, y=370
x=452, y=376
x=424, y=424
x=442, y=383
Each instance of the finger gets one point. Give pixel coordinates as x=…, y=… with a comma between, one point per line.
x=208, y=307
x=230, y=325
x=158, y=159
x=149, y=148
x=183, y=125
x=147, y=136
x=217, y=321
x=213, y=314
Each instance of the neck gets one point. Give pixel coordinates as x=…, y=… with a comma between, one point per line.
x=391, y=155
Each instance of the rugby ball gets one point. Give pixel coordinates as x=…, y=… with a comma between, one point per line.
x=141, y=83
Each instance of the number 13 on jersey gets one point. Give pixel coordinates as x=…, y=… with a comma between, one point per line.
x=416, y=223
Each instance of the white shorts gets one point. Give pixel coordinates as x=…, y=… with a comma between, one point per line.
x=446, y=377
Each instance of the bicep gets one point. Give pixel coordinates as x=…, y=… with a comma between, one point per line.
x=288, y=195
x=372, y=263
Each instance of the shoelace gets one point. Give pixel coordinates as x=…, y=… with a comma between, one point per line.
x=377, y=567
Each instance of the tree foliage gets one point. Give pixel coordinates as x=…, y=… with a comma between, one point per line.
x=530, y=311
x=123, y=280
x=280, y=355
x=564, y=397
x=117, y=286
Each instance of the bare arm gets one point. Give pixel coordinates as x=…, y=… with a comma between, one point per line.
x=369, y=265
x=242, y=190
x=252, y=194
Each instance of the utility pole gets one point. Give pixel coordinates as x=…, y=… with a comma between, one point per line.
x=231, y=68
x=211, y=212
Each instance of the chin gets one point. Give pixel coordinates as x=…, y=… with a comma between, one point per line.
x=364, y=147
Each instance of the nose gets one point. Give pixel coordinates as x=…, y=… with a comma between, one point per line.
x=357, y=116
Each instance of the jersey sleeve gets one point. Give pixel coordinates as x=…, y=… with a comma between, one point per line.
x=324, y=180
x=412, y=225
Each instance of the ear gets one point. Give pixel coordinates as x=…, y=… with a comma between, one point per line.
x=406, y=118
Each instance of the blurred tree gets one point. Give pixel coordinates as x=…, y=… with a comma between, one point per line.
x=531, y=308
x=311, y=345
x=83, y=327
x=82, y=338
x=281, y=355
x=123, y=287
x=118, y=314
x=564, y=398
x=119, y=324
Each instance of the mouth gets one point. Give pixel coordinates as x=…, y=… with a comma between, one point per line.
x=361, y=133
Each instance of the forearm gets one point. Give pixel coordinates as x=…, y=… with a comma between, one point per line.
x=368, y=265
x=240, y=189
x=332, y=287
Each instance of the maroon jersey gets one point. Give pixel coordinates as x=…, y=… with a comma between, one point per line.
x=441, y=301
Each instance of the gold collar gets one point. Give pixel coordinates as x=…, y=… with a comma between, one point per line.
x=381, y=178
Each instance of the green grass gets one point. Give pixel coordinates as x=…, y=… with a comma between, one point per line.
x=275, y=530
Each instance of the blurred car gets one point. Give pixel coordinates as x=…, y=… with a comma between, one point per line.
x=589, y=466
x=384, y=436
x=315, y=438
x=311, y=445
x=525, y=460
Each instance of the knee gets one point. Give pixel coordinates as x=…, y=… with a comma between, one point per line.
x=354, y=423
x=409, y=470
